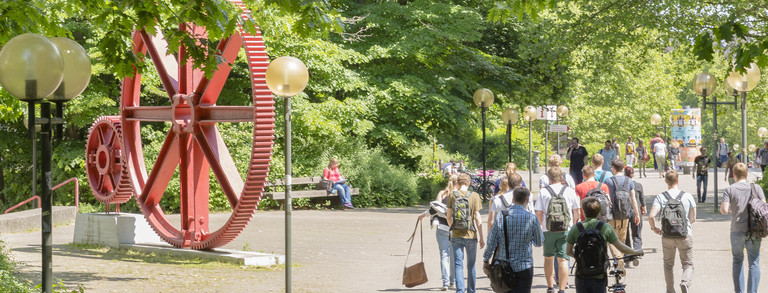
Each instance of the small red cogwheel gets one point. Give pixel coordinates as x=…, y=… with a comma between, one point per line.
x=105, y=161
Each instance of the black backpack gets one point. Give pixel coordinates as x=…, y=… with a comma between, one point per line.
x=674, y=220
x=603, y=198
x=558, y=215
x=591, y=251
x=622, y=203
x=462, y=214
x=757, y=211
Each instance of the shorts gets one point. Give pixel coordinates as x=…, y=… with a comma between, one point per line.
x=554, y=244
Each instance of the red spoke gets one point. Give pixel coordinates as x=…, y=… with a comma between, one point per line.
x=164, y=65
x=194, y=178
x=211, y=114
x=101, y=183
x=217, y=153
x=146, y=113
x=161, y=173
x=209, y=89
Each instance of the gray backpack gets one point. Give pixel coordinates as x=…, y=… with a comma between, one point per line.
x=462, y=214
x=622, y=203
x=558, y=215
x=674, y=220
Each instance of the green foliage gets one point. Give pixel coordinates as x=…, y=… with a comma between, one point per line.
x=381, y=184
x=430, y=185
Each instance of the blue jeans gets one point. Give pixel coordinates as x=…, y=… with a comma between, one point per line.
x=459, y=245
x=740, y=240
x=701, y=192
x=447, y=266
x=344, y=193
x=723, y=159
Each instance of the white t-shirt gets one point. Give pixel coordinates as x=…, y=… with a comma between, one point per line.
x=571, y=200
x=660, y=148
x=498, y=204
x=544, y=181
x=688, y=203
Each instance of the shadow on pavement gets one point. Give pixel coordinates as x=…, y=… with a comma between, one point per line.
x=108, y=253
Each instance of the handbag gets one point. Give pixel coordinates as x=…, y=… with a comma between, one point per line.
x=326, y=185
x=416, y=274
x=503, y=279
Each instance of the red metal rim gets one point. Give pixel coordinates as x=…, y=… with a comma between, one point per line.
x=194, y=145
x=106, y=163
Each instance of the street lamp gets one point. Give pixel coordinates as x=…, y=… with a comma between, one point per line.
x=509, y=116
x=762, y=132
x=562, y=112
x=286, y=77
x=529, y=113
x=483, y=98
x=33, y=68
x=656, y=120
x=744, y=83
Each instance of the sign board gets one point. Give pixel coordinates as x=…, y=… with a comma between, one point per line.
x=559, y=128
x=686, y=130
x=548, y=113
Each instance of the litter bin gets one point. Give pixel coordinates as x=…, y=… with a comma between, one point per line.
x=535, y=162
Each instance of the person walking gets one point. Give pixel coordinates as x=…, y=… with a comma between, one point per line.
x=597, y=165
x=629, y=152
x=701, y=165
x=586, y=282
x=623, y=199
x=523, y=231
x=762, y=156
x=652, y=148
x=577, y=154
x=556, y=209
x=735, y=199
x=505, y=200
x=609, y=154
x=732, y=161
x=437, y=211
x=678, y=213
x=660, y=153
x=674, y=156
x=722, y=152
x=463, y=212
x=590, y=183
x=634, y=235
x=616, y=147
x=642, y=158
x=555, y=161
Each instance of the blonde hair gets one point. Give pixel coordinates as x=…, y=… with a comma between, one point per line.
x=510, y=169
x=453, y=183
x=554, y=160
x=740, y=171
x=555, y=175
x=333, y=160
x=503, y=187
x=670, y=177
x=597, y=160
x=588, y=171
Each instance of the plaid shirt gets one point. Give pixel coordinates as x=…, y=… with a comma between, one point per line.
x=523, y=230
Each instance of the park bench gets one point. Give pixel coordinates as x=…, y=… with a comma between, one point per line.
x=313, y=193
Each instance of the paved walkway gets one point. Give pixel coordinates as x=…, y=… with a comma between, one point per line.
x=360, y=250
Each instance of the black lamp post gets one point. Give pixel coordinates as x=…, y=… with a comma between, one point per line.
x=483, y=98
x=33, y=68
x=287, y=77
x=742, y=83
x=562, y=112
x=529, y=113
x=509, y=116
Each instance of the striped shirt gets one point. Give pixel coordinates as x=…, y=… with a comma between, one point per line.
x=523, y=230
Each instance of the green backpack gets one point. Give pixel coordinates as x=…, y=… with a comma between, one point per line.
x=558, y=216
x=462, y=214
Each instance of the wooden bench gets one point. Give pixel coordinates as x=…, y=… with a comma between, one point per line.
x=280, y=195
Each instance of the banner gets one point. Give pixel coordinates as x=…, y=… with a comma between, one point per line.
x=686, y=131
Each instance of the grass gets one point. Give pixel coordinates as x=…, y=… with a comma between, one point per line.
x=130, y=255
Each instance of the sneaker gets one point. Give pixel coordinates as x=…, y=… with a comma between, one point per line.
x=684, y=287
x=550, y=290
x=444, y=288
x=561, y=291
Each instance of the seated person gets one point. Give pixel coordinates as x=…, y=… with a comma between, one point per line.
x=339, y=183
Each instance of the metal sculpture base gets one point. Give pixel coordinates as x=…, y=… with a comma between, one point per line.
x=132, y=231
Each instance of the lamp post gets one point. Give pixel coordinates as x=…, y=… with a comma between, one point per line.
x=529, y=113
x=483, y=98
x=33, y=68
x=656, y=120
x=562, y=112
x=509, y=116
x=762, y=132
x=286, y=77
x=744, y=83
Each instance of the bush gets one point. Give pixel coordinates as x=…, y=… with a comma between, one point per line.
x=429, y=185
x=381, y=184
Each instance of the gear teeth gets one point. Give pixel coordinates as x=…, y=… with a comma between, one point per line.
x=122, y=189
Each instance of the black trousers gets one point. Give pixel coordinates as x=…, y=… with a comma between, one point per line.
x=524, y=281
x=634, y=238
x=588, y=285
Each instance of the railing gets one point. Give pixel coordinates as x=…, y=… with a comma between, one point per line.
x=39, y=204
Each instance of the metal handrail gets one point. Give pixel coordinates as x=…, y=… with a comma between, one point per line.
x=39, y=203
x=77, y=191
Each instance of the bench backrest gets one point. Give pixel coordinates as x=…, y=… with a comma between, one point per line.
x=297, y=181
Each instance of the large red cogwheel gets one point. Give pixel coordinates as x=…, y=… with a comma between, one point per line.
x=105, y=161
x=194, y=143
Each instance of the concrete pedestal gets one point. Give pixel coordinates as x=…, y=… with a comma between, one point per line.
x=132, y=231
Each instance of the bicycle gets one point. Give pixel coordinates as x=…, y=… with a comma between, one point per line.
x=485, y=189
x=617, y=273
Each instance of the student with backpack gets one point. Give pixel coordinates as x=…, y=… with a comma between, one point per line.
x=677, y=211
x=597, y=164
x=623, y=203
x=592, y=187
x=634, y=237
x=609, y=153
x=522, y=232
x=466, y=230
x=557, y=209
x=587, y=243
x=556, y=161
x=504, y=201
x=736, y=199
